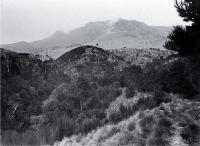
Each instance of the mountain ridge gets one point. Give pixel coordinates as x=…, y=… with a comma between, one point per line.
x=107, y=34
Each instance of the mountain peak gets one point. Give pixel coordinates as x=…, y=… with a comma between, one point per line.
x=117, y=25
x=127, y=25
x=59, y=33
x=113, y=21
x=122, y=20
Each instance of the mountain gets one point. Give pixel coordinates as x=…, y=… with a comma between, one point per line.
x=106, y=34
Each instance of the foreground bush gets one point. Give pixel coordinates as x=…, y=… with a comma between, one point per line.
x=161, y=125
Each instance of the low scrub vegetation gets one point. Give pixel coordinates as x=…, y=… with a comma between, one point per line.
x=48, y=106
x=157, y=126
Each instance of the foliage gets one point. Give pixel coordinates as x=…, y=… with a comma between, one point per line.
x=173, y=77
x=186, y=40
x=23, y=88
x=190, y=133
x=158, y=126
x=87, y=95
x=189, y=10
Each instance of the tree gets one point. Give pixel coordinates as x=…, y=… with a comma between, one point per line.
x=186, y=40
x=189, y=10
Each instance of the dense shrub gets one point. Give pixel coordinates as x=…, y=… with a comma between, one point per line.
x=88, y=125
x=81, y=104
x=11, y=137
x=147, y=125
x=161, y=132
x=175, y=77
x=191, y=133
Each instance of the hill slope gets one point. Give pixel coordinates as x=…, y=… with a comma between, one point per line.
x=93, y=96
x=162, y=125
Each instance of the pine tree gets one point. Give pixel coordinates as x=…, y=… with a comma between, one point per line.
x=186, y=40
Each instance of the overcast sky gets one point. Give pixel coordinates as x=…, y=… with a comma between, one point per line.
x=29, y=20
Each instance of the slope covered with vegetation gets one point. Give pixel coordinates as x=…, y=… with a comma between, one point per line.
x=91, y=97
x=174, y=122
x=39, y=98
x=159, y=105
x=43, y=102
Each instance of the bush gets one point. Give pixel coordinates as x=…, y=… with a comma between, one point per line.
x=161, y=132
x=115, y=117
x=88, y=124
x=191, y=133
x=131, y=126
x=11, y=137
x=146, y=125
x=64, y=126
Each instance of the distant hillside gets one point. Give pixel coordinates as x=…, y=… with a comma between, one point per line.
x=106, y=34
x=141, y=56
